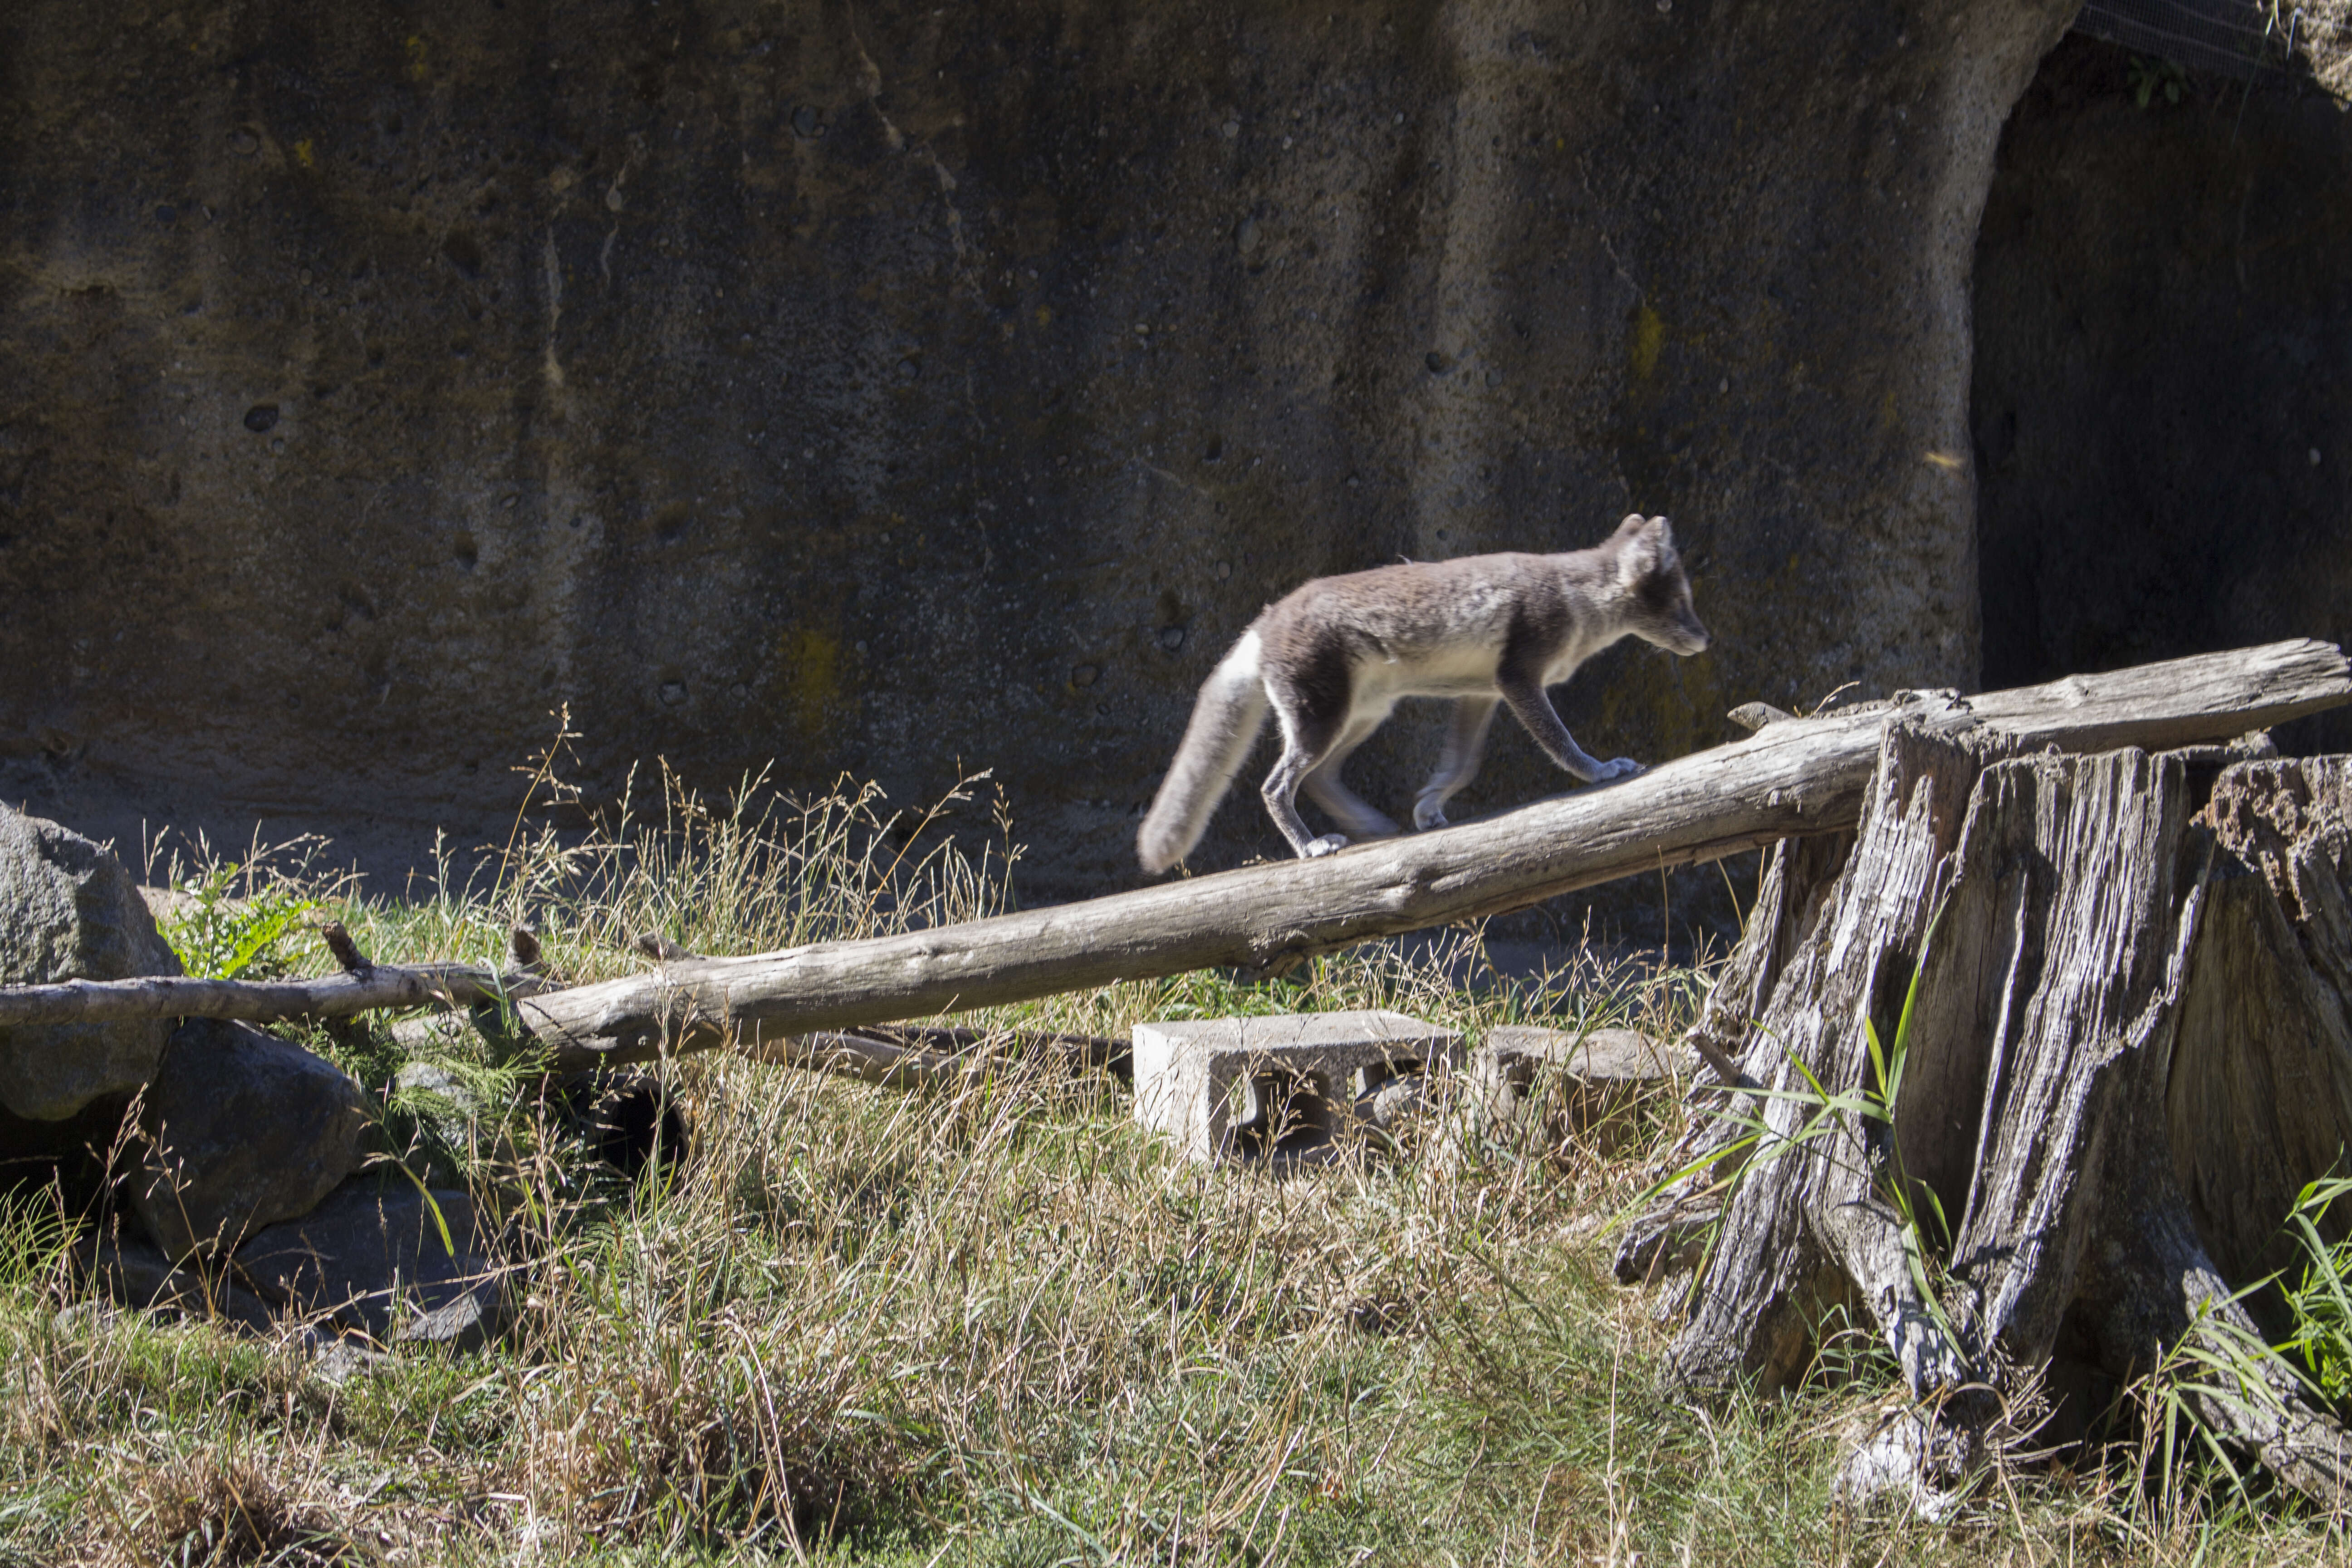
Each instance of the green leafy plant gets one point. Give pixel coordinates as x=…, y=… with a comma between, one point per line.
x=2152, y=79
x=2223, y=1360
x=1896, y=1185
x=2322, y=1303
x=220, y=936
x=2217, y=1359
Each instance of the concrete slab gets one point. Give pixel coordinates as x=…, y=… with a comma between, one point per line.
x=1526, y=1082
x=1596, y=1055
x=1281, y=1089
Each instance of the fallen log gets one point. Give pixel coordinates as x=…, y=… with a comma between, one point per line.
x=2128, y=984
x=343, y=996
x=362, y=986
x=1794, y=777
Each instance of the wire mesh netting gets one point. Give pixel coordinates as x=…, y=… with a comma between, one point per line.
x=2241, y=38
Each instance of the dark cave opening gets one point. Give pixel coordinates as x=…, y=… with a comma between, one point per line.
x=2163, y=361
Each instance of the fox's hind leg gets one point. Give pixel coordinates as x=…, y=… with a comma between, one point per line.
x=1312, y=725
x=1466, y=742
x=1348, y=808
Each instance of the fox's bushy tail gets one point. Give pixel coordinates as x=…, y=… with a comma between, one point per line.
x=1226, y=718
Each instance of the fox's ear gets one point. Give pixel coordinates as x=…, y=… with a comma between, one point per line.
x=1634, y=519
x=1647, y=549
x=1638, y=554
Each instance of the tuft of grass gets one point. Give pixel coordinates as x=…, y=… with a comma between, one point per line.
x=2320, y=1302
x=223, y=1509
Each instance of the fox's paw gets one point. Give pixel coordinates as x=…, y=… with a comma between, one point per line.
x=1425, y=817
x=1622, y=768
x=1323, y=846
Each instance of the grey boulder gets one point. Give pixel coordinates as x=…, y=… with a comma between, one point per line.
x=374, y=1258
x=134, y=1271
x=68, y=910
x=244, y=1129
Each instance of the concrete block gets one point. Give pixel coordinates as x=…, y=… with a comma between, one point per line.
x=1284, y=1088
x=1526, y=1083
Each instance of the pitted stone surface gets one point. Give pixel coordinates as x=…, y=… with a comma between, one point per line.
x=1283, y=1087
x=70, y=911
x=243, y=1129
x=374, y=1258
x=869, y=387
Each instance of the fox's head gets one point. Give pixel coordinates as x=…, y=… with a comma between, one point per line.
x=1655, y=598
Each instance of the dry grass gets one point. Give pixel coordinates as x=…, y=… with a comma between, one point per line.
x=1001, y=1328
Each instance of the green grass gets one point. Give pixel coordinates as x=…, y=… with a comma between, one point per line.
x=997, y=1329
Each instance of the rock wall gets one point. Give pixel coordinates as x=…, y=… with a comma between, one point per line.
x=2163, y=384
x=887, y=390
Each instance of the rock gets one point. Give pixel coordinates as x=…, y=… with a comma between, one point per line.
x=467, y=1320
x=372, y=1258
x=71, y=1318
x=131, y=1269
x=341, y=1360
x=134, y=1271
x=441, y=1099
x=434, y=1034
x=68, y=910
x=457, y=1136
x=244, y=1129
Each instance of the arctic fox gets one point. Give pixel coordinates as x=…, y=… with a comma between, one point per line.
x=1333, y=658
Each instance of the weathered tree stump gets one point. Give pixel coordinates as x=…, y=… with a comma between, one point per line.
x=2130, y=1047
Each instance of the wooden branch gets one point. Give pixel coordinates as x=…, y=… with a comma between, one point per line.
x=346, y=952
x=1793, y=777
x=929, y=1058
x=332, y=996
x=1080, y=1053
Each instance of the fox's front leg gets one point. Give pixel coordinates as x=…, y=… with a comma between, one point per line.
x=1533, y=707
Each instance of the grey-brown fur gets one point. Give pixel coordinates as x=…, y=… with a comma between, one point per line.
x=1333, y=658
